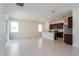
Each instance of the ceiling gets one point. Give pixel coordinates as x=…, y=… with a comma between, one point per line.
x=39, y=11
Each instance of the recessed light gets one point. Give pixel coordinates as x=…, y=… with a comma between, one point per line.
x=53, y=11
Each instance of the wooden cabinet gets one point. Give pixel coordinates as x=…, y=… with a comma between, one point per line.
x=58, y=34
x=60, y=26
x=56, y=26
x=68, y=31
x=69, y=22
x=68, y=38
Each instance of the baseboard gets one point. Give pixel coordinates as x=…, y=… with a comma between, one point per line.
x=75, y=46
x=26, y=38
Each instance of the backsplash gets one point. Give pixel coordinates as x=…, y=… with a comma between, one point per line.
x=67, y=30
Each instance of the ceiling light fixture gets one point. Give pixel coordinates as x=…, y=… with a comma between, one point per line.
x=20, y=4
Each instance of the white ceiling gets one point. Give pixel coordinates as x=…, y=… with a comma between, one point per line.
x=39, y=11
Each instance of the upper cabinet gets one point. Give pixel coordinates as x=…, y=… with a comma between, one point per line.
x=56, y=26
x=60, y=26
x=69, y=22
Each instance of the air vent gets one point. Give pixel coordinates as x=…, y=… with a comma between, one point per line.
x=20, y=4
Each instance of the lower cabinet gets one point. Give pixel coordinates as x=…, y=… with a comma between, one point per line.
x=58, y=34
x=68, y=38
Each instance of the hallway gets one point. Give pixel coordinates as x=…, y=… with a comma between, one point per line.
x=39, y=47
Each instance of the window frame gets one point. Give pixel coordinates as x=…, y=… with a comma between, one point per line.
x=14, y=26
x=39, y=27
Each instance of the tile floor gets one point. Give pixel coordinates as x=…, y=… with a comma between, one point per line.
x=39, y=47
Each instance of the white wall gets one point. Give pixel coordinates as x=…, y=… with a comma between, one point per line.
x=2, y=28
x=27, y=29
x=76, y=27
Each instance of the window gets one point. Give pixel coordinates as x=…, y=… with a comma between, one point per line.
x=14, y=26
x=40, y=27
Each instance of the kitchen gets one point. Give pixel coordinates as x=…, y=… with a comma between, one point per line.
x=60, y=29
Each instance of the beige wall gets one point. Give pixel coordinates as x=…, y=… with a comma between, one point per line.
x=46, y=27
x=27, y=29
x=65, y=20
x=3, y=36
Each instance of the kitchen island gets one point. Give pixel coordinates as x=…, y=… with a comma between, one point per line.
x=48, y=35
